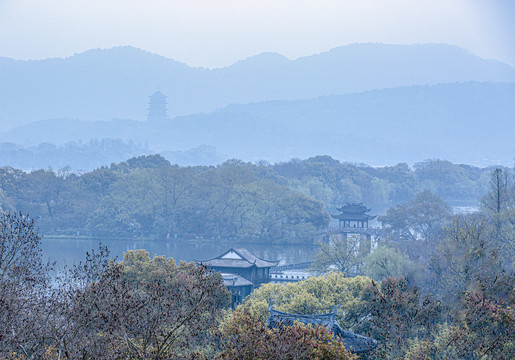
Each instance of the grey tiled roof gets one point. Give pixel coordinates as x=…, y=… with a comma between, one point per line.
x=228, y=263
x=248, y=259
x=354, y=217
x=353, y=342
x=235, y=280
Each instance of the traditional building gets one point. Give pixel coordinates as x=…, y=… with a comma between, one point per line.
x=238, y=286
x=353, y=227
x=353, y=215
x=356, y=343
x=241, y=261
x=242, y=271
x=157, y=107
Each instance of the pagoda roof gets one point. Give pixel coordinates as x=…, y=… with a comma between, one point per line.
x=353, y=342
x=158, y=95
x=353, y=208
x=239, y=258
x=354, y=217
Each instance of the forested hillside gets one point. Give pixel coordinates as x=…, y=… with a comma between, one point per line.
x=114, y=83
x=379, y=127
x=86, y=156
x=147, y=197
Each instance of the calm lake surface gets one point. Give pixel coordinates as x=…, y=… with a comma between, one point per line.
x=71, y=251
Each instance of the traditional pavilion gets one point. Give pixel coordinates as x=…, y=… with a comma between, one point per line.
x=353, y=225
x=353, y=342
x=241, y=261
x=157, y=107
x=242, y=271
x=353, y=215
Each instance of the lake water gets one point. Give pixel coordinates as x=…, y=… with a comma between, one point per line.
x=71, y=251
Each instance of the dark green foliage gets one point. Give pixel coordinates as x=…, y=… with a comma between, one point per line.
x=147, y=197
x=416, y=226
x=142, y=162
x=334, y=182
x=450, y=181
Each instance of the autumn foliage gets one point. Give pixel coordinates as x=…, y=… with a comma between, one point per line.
x=247, y=338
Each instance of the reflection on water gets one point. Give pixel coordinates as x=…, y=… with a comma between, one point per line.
x=71, y=251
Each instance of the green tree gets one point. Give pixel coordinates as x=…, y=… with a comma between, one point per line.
x=348, y=191
x=417, y=225
x=345, y=255
x=315, y=295
x=385, y=262
x=448, y=180
x=173, y=187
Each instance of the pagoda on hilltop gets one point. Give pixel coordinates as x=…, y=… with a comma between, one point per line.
x=353, y=215
x=157, y=107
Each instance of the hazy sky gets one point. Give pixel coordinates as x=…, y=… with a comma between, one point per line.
x=216, y=33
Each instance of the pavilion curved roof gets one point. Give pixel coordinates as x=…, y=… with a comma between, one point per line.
x=353, y=212
x=353, y=342
x=354, y=217
x=239, y=258
x=353, y=208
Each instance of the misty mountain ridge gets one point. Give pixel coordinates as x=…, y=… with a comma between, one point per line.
x=462, y=122
x=115, y=83
x=80, y=156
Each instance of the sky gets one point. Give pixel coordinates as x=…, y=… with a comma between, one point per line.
x=214, y=33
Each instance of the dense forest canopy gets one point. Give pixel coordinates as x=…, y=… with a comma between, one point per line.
x=148, y=197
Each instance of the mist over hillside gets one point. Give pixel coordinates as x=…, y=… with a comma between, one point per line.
x=79, y=157
x=463, y=122
x=115, y=83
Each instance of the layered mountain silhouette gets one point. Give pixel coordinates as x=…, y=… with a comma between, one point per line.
x=468, y=122
x=115, y=83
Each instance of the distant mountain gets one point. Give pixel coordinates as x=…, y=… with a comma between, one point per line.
x=467, y=122
x=79, y=156
x=95, y=153
x=116, y=83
